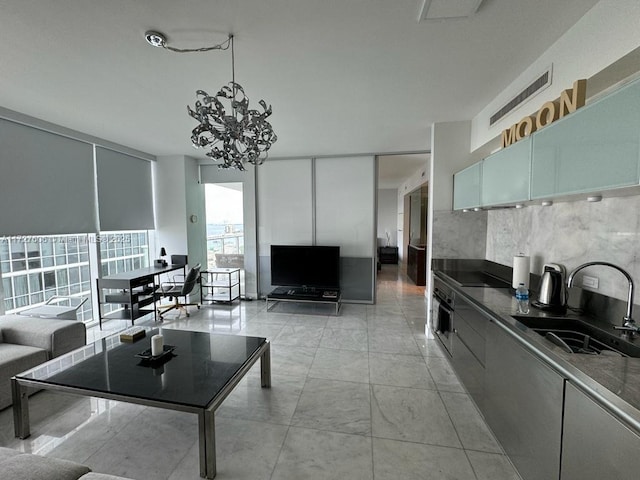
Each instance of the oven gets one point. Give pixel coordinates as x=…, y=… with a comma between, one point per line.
x=442, y=307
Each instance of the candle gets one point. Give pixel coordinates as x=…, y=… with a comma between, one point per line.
x=156, y=345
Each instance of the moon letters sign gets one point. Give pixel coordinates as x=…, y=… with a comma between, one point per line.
x=568, y=102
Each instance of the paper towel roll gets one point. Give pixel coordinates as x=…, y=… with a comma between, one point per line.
x=520, y=271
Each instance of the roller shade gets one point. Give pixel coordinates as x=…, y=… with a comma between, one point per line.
x=125, y=194
x=46, y=182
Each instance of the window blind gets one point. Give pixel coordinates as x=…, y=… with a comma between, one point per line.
x=46, y=182
x=125, y=193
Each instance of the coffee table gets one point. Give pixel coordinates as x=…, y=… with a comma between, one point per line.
x=203, y=372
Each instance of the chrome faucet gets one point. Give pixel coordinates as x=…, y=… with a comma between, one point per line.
x=629, y=325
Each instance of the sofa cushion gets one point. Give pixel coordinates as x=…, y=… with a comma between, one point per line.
x=6, y=453
x=15, y=359
x=35, y=467
x=101, y=476
x=54, y=336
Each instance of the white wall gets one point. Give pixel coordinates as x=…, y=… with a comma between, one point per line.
x=171, y=205
x=388, y=216
x=606, y=33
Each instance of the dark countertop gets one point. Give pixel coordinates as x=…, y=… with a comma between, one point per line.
x=612, y=381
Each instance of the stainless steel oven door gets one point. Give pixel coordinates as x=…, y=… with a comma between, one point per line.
x=442, y=316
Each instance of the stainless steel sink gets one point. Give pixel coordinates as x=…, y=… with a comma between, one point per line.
x=576, y=336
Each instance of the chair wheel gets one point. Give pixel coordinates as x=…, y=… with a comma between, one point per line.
x=198, y=306
x=188, y=314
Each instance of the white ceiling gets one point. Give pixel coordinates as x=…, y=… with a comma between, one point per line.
x=343, y=76
x=393, y=170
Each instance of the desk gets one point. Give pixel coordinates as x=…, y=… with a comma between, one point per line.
x=133, y=291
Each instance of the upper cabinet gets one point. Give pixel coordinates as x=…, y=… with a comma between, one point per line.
x=594, y=149
x=466, y=188
x=505, y=175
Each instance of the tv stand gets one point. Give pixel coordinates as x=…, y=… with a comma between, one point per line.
x=305, y=295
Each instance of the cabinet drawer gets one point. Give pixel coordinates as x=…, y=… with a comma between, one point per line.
x=471, y=338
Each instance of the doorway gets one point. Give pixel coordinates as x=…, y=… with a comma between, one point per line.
x=225, y=227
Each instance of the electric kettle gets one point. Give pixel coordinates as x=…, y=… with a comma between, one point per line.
x=552, y=295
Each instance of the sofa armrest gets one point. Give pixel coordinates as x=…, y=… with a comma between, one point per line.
x=54, y=336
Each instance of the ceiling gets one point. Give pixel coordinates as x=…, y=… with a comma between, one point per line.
x=343, y=77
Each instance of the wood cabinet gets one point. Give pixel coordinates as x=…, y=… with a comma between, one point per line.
x=466, y=187
x=596, y=445
x=417, y=264
x=506, y=174
x=596, y=148
x=388, y=255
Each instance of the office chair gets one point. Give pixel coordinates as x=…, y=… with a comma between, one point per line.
x=176, y=290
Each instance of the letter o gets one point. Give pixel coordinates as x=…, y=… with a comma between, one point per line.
x=525, y=128
x=547, y=114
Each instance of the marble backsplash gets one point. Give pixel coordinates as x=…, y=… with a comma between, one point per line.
x=571, y=233
x=459, y=235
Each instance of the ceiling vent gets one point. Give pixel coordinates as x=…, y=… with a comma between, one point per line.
x=446, y=9
x=535, y=87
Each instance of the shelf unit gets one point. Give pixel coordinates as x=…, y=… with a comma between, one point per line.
x=136, y=297
x=219, y=285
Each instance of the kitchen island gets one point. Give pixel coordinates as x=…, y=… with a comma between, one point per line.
x=556, y=414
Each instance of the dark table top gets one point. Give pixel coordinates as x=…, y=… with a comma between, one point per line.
x=203, y=364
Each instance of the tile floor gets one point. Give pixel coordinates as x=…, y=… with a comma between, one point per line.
x=365, y=395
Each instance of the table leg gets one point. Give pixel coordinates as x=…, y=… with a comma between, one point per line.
x=20, y=409
x=207, y=442
x=265, y=367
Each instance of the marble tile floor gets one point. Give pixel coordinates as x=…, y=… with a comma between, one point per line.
x=365, y=395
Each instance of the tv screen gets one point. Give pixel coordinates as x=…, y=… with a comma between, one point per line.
x=305, y=266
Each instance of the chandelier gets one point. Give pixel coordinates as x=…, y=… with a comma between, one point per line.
x=234, y=133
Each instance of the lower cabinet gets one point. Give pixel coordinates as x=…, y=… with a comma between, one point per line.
x=523, y=405
x=469, y=349
x=595, y=444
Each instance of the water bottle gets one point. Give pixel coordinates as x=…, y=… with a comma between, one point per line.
x=522, y=296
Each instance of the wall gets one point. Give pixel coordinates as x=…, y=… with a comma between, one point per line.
x=388, y=217
x=453, y=234
x=572, y=233
x=171, y=205
x=607, y=32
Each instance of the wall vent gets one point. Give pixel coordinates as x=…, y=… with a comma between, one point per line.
x=539, y=84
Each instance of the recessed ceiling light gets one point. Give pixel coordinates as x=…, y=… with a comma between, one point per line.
x=547, y=203
x=594, y=198
x=155, y=39
x=447, y=9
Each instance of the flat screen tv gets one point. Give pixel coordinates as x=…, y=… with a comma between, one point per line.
x=314, y=266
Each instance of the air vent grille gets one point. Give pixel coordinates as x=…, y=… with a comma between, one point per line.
x=536, y=86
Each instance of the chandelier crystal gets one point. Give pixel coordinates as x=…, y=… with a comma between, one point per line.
x=234, y=133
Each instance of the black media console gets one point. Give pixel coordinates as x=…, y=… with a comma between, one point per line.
x=305, y=295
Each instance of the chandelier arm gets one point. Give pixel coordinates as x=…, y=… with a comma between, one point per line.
x=221, y=46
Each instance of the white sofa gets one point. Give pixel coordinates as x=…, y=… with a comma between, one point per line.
x=26, y=342
x=15, y=465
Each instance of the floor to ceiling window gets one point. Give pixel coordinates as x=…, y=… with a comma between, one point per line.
x=225, y=226
x=36, y=268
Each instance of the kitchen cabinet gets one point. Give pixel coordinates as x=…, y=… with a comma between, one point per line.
x=595, y=445
x=523, y=405
x=417, y=264
x=469, y=349
x=466, y=187
x=596, y=148
x=506, y=174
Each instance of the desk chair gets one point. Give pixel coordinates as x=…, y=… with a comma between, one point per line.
x=177, y=289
